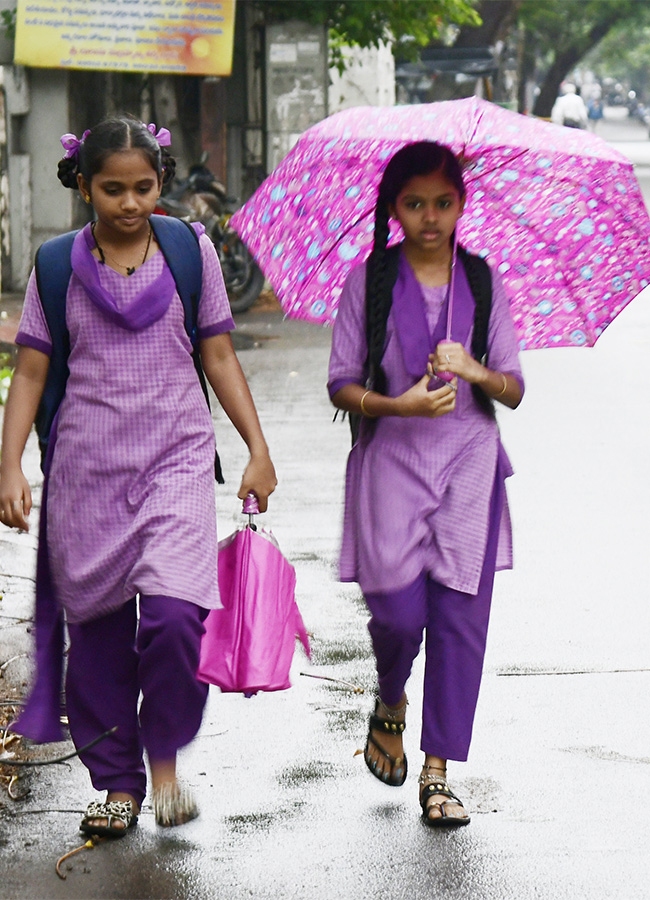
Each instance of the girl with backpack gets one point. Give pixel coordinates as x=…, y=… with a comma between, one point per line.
x=128, y=540
x=426, y=520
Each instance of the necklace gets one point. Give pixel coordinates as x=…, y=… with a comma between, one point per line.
x=104, y=256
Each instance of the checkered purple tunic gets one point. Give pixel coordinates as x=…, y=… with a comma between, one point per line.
x=418, y=493
x=131, y=505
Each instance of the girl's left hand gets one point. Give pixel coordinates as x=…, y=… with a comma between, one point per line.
x=259, y=478
x=452, y=357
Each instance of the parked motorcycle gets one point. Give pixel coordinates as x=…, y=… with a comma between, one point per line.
x=202, y=198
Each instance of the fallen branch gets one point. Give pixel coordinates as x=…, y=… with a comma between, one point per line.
x=90, y=843
x=353, y=687
x=58, y=759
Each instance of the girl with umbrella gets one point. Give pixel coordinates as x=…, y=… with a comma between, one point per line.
x=421, y=348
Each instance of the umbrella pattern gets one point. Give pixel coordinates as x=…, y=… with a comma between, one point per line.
x=556, y=211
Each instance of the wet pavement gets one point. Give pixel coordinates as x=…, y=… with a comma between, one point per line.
x=558, y=780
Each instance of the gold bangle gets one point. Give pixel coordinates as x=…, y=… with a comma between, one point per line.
x=504, y=388
x=364, y=411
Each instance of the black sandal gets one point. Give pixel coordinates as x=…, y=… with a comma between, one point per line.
x=437, y=784
x=389, y=726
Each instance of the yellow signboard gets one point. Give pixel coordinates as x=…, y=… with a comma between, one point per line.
x=181, y=37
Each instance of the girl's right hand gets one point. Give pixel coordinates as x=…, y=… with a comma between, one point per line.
x=419, y=401
x=15, y=500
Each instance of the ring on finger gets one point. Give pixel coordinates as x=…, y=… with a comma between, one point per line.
x=447, y=358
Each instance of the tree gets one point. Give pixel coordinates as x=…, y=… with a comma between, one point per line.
x=623, y=56
x=496, y=18
x=559, y=33
x=366, y=23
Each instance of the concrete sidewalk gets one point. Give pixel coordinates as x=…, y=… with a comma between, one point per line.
x=559, y=774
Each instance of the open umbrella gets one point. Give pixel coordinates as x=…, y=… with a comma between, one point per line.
x=557, y=211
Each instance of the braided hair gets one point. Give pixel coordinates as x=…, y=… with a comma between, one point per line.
x=419, y=158
x=123, y=132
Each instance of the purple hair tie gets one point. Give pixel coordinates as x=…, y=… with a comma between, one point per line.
x=163, y=135
x=71, y=144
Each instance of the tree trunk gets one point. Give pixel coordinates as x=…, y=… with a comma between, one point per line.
x=567, y=60
x=497, y=16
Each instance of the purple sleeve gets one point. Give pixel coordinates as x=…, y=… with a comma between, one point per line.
x=503, y=355
x=349, y=345
x=215, y=316
x=32, y=330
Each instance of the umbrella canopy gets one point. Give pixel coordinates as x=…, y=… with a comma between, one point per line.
x=556, y=210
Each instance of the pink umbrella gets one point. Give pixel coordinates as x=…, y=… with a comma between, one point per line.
x=556, y=210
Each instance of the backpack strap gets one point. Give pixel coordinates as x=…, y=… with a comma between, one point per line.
x=179, y=244
x=479, y=277
x=53, y=270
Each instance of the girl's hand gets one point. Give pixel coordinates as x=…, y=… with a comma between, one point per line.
x=419, y=401
x=259, y=477
x=15, y=500
x=452, y=357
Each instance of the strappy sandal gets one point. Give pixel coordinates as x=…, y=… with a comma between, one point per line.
x=432, y=785
x=173, y=804
x=114, y=812
x=389, y=725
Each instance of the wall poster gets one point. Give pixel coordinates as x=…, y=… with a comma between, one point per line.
x=180, y=37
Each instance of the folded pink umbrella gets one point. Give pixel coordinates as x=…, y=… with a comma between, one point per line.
x=248, y=645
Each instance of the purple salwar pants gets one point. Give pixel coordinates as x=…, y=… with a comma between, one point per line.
x=456, y=626
x=115, y=658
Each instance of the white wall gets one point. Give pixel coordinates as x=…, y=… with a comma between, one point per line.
x=368, y=80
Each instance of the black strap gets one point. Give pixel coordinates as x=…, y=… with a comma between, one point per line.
x=179, y=244
x=53, y=270
x=479, y=278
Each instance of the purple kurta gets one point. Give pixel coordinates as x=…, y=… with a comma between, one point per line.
x=418, y=492
x=131, y=505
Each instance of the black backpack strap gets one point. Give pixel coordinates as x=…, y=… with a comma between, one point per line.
x=479, y=277
x=53, y=270
x=179, y=244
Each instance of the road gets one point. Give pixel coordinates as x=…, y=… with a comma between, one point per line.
x=558, y=780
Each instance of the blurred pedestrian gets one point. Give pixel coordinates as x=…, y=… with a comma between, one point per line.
x=129, y=513
x=569, y=109
x=426, y=519
x=595, y=112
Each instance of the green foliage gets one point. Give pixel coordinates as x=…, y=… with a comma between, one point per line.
x=364, y=23
x=562, y=32
x=575, y=25
x=8, y=19
x=623, y=55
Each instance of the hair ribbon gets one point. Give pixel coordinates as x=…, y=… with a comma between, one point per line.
x=71, y=143
x=163, y=135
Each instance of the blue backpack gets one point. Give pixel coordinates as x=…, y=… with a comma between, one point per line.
x=179, y=245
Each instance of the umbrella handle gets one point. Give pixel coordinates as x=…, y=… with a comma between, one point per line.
x=251, y=508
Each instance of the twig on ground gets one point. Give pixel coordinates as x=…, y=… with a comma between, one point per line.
x=353, y=687
x=8, y=661
x=58, y=759
x=90, y=843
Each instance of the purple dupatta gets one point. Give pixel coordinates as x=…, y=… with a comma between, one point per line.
x=415, y=338
x=150, y=304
